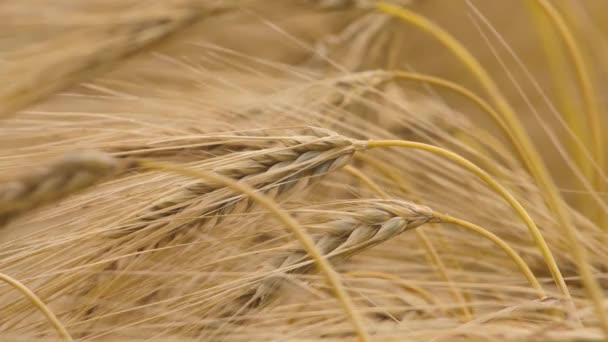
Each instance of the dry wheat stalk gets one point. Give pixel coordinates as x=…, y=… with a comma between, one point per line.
x=60, y=179
x=342, y=233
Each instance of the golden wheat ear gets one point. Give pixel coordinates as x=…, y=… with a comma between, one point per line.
x=344, y=233
x=58, y=180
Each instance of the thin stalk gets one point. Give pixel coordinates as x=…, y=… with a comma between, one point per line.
x=594, y=123
x=525, y=269
x=503, y=192
x=521, y=264
x=564, y=89
x=458, y=89
x=39, y=304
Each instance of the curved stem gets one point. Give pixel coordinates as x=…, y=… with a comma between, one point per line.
x=503, y=192
x=467, y=94
x=502, y=245
x=469, y=226
x=271, y=205
x=564, y=89
x=39, y=305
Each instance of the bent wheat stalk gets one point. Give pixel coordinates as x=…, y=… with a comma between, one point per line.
x=502, y=191
x=39, y=305
x=58, y=180
x=525, y=269
x=582, y=74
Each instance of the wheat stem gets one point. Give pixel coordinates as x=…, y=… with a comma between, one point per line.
x=503, y=192
x=564, y=88
x=502, y=245
x=466, y=225
x=456, y=88
x=584, y=79
x=39, y=304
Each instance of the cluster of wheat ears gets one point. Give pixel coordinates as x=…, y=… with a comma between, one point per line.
x=306, y=170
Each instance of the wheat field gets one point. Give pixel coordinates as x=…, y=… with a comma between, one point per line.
x=303, y=170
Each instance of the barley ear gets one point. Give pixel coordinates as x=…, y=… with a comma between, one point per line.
x=56, y=181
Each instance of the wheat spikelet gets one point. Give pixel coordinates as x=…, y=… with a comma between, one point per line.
x=58, y=180
x=299, y=160
x=364, y=224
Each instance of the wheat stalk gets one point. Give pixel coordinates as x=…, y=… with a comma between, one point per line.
x=56, y=181
x=39, y=304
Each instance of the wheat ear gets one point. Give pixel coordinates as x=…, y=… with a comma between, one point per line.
x=58, y=180
x=292, y=166
x=426, y=243
x=345, y=233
